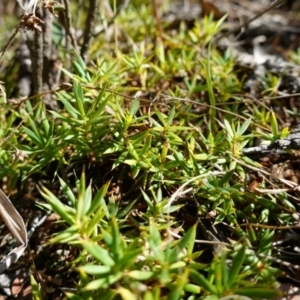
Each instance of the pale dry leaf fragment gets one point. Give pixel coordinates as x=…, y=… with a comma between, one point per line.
x=2, y=92
x=31, y=6
x=17, y=285
x=19, y=155
x=16, y=226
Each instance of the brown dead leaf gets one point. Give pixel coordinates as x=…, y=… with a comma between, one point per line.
x=208, y=8
x=27, y=293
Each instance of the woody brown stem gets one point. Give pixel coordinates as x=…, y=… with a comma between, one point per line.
x=37, y=59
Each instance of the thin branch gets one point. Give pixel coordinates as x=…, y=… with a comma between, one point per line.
x=246, y=23
x=156, y=7
x=68, y=25
x=47, y=42
x=37, y=58
x=119, y=9
x=10, y=40
x=89, y=25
